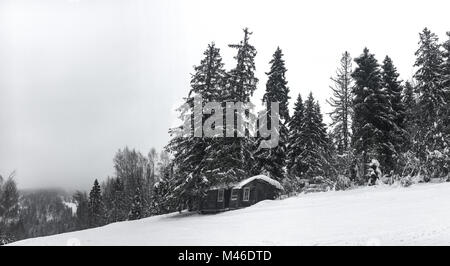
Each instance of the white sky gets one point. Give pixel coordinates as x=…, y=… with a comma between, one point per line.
x=80, y=79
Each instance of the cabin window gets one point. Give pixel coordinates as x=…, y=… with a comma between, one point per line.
x=234, y=194
x=220, y=195
x=246, y=194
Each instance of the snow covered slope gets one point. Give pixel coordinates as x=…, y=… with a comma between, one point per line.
x=418, y=215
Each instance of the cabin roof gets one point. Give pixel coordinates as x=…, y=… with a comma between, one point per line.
x=244, y=182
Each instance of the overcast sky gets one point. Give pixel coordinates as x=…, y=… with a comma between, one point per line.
x=80, y=79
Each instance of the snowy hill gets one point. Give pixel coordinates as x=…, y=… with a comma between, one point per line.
x=418, y=215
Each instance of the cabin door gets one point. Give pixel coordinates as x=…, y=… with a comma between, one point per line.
x=226, y=198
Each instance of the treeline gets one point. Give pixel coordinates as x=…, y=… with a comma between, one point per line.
x=383, y=129
x=138, y=189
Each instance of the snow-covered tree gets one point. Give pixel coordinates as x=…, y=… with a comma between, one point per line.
x=272, y=161
x=117, y=206
x=295, y=166
x=431, y=96
x=134, y=171
x=372, y=120
x=96, y=207
x=162, y=200
x=231, y=158
x=445, y=83
x=311, y=141
x=397, y=134
x=409, y=102
x=242, y=81
x=431, y=142
x=446, y=64
x=136, y=208
x=316, y=143
x=9, y=208
x=191, y=151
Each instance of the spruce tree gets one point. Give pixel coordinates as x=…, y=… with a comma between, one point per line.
x=190, y=151
x=295, y=166
x=430, y=142
x=341, y=104
x=242, y=81
x=392, y=84
x=231, y=158
x=446, y=66
x=445, y=84
x=96, y=208
x=9, y=208
x=119, y=211
x=315, y=150
x=273, y=160
x=394, y=88
x=372, y=120
x=312, y=142
x=409, y=102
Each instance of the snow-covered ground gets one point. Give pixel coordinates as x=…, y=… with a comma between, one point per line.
x=418, y=215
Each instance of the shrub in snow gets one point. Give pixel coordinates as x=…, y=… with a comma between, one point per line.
x=437, y=163
x=290, y=185
x=388, y=179
x=342, y=183
x=410, y=164
x=374, y=172
x=406, y=181
x=5, y=240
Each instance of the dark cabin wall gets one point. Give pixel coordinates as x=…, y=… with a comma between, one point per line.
x=259, y=190
x=234, y=204
x=210, y=201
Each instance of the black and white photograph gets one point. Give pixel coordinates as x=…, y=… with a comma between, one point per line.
x=224, y=123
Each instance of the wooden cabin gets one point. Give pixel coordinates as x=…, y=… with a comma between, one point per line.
x=245, y=193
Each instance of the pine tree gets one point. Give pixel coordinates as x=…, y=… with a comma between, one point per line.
x=394, y=88
x=341, y=104
x=96, y=207
x=276, y=87
x=295, y=166
x=446, y=65
x=210, y=77
x=9, y=201
x=119, y=211
x=242, y=79
x=161, y=202
x=231, y=158
x=312, y=142
x=445, y=84
x=431, y=96
x=136, y=207
x=9, y=208
x=315, y=152
x=372, y=120
x=273, y=160
x=190, y=151
x=409, y=102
